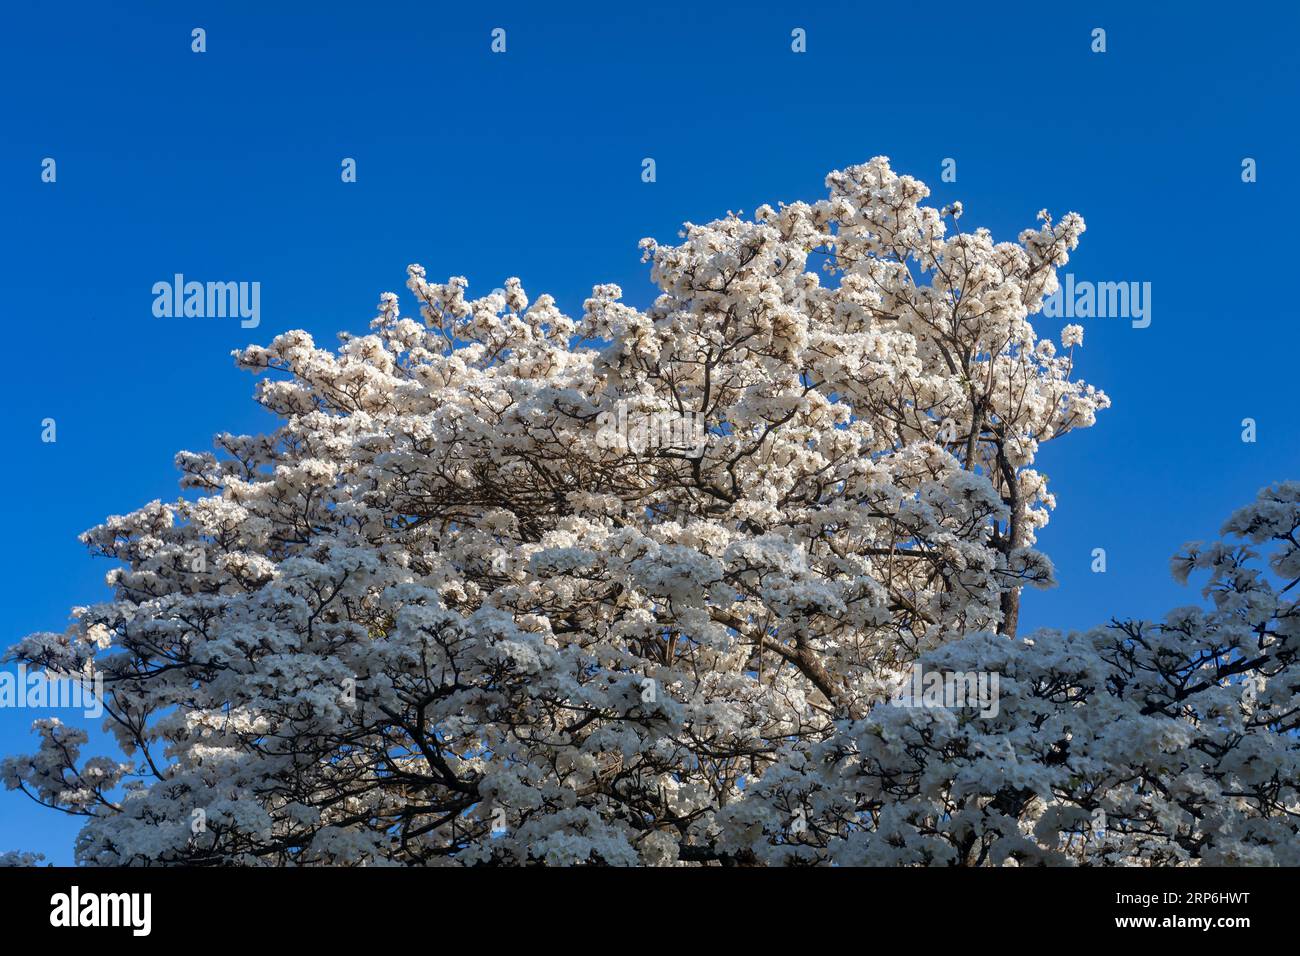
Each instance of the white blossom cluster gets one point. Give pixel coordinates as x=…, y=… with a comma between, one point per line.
x=16, y=858
x=435, y=619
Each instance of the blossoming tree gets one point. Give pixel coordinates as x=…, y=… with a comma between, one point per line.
x=443, y=615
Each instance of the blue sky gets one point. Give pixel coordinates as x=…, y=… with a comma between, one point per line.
x=225, y=166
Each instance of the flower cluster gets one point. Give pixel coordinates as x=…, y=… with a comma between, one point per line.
x=434, y=618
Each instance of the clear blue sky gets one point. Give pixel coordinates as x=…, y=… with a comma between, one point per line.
x=225, y=166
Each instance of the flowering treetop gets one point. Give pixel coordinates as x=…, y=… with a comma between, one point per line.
x=442, y=614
